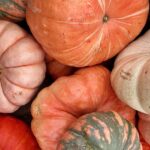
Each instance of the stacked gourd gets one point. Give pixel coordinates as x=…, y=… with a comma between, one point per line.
x=84, y=106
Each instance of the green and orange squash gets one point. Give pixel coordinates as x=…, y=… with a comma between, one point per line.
x=13, y=9
x=101, y=131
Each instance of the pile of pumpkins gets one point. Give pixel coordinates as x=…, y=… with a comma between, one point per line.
x=79, y=69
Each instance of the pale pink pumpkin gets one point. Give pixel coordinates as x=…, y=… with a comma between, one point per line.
x=85, y=32
x=130, y=77
x=22, y=67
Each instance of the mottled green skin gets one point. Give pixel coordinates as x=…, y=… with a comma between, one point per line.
x=80, y=140
x=6, y=5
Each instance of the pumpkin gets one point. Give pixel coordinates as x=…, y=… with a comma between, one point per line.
x=97, y=131
x=22, y=67
x=56, y=107
x=144, y=126
x=85, y=32
x=145, y=145
x=16, y=135
x=56, y=69
x=13, y=10
x=131, y=72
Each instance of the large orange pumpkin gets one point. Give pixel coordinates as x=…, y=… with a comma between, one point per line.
x=62, y=103
x=85, y=32
x=22, y=67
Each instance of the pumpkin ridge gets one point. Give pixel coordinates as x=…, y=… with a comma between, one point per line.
x=63, y=104
x=8, y=97
x=19, y=66
x=19, y=39
x=28, y=88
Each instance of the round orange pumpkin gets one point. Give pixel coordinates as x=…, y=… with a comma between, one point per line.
x=22, y=67
x=85, y=32
x=16, y=135
x=62, y=103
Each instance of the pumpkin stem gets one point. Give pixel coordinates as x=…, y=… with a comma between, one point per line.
x=105, y=19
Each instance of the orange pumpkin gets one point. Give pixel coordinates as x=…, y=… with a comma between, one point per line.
x=132, y=73
x=59, y=105
x=16, y=135
x=56, y=69
x=22, y=67
x=85, y=32
x=144, y=126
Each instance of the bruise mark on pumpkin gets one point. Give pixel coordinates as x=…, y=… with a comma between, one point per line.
x=125, y=75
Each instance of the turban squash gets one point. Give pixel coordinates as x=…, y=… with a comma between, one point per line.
x=13, y=10
x=131, y=72
x=58, y=106
x=85, y=32
x=22, y=67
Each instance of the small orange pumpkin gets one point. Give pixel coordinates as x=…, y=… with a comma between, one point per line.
x=56, y=69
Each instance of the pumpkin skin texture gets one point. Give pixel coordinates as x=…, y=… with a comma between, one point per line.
x=144, y=126
x=101, y=131
x=56, y=69
x=16, y=135
x=85, y=32
x=22, y=67
x=145, y=145
x=13, y=10
x=131, y=72
x=56, y=107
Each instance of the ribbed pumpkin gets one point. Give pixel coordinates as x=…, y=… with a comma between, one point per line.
x=56, y=69
x=85, y=32
x=13, y=9
x=22, y=67
x=144, y=126
x=132, y=73
x=16, y=135
x=101, y=131
x=62, y=103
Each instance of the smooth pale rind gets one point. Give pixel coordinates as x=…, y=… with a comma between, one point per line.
x=130, y=77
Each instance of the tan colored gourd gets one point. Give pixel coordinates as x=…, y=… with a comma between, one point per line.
x=130, y=77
